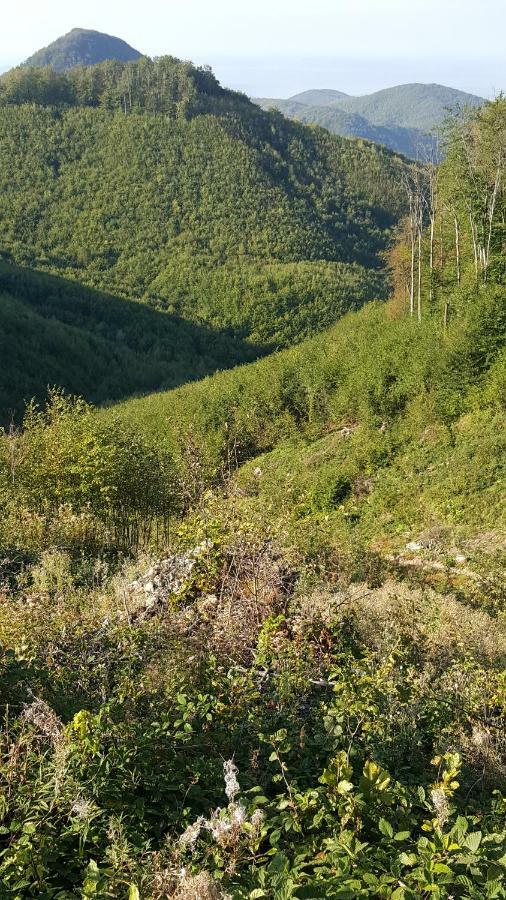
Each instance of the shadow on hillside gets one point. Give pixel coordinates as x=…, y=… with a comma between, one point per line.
x=54, y=331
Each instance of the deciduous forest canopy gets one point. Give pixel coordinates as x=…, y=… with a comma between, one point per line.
x=149, y=181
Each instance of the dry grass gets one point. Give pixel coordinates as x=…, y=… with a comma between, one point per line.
x=446, y=627
x=183, y=886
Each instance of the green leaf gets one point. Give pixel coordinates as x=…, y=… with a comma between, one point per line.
x=408, y=859
x=442, y=869
x=133, y=893
x=461, y=825
x=279, y=863
x=344, y=787
x=91, y=881
x=472, y=841
x=386, y=828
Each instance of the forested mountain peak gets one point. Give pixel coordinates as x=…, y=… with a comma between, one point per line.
x=82, y=47
x=163, y=85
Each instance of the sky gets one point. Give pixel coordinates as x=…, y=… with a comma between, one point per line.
x=276, y=48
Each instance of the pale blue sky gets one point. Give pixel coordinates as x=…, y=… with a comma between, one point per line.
x=278, y=47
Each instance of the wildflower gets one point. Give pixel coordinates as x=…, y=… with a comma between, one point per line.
x=190, y=837
x=238, y=814
x=44, y=719
x=81, y=809
x=232, y=786
x=257, y=820
x=440, y=804
x=220, y=827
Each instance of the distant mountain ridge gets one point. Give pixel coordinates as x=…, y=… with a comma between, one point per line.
x=403, y=118
x=421, y=106
x=82, y=47
x=318, y=97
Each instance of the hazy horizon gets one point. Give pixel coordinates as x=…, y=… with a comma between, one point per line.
x=280, y=48
x=282, y=78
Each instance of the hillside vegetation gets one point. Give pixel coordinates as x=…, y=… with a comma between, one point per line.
x=82, y=47
x=421, y=106
x=56, y=332
x=252, y=630
x=320, y=97
x=148, y=181
x=404, y=118
x=184, y=194
x=411, y=142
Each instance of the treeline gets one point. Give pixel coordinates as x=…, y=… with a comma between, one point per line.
x=454, y=238
x=165, y=86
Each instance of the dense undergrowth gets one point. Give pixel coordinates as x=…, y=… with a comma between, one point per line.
x=371, y=419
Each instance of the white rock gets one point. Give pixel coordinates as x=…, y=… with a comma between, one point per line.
x=414, y=546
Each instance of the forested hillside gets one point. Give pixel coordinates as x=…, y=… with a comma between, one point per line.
x=82, y=47
x=412, y=142
x=422, y=106
x=405, y=118
x=252, y=630
x=56, y=332
x=215, y=211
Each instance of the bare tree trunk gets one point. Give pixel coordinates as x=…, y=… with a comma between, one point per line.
x=474, y=238
x=490, y=216
x=419, y=295
x=432, y=202
x=431, y=259
x=457, y=247
x=412, y=282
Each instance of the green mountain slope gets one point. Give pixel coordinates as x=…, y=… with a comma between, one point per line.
x=422, y=106
x=377, y=401
x=390, y=421
x=82, y=47
x=195, y=202
x=410, y=142
x=253, y=632
x=402, y=118
x=57, y=332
